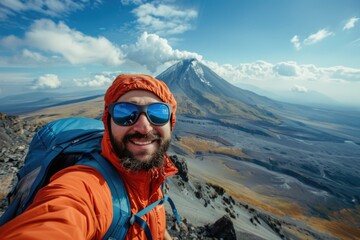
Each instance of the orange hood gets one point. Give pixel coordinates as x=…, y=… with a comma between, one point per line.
x=122, y=84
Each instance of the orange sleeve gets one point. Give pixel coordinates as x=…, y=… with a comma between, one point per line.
x=76, y=204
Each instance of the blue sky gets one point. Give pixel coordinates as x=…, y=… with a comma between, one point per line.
x=284, y=47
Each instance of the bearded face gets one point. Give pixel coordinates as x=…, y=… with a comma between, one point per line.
x=142, y=145
x=143, y=159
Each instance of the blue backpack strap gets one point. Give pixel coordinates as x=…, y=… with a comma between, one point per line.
x=122, y=216
x=121, y=205
x=136, y=218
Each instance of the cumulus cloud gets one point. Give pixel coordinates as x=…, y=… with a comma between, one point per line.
x=288, y=69
x=261, y=71
x=296, y=41
x=246, y=72
x=298, y=89
x=164, y=19
x=152, y=51
x=47, y=81
x=344, y=73
x=50, y=42
x=318, y=36
x=74, y=46
x=350, y=23
x=311, y=39
x=98, y=80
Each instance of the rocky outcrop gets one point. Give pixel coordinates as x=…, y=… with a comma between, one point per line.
x=15, y=132
x=181, y=165
x=221, y=229
x=15, y=136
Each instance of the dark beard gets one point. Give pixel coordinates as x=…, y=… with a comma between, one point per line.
x=130, y=162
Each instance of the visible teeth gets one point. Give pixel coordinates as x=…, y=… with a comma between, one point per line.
x=142, y=143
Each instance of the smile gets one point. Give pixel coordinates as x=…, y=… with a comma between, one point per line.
x=141, y=143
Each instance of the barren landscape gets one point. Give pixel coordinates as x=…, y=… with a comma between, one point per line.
x=292, y=171
x=313, y=183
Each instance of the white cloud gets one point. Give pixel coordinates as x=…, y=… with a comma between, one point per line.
x=11, y=42
x=350, y=23
x=26, y=57
x=163, y=19
x=318, y=36
x=338, y=82
x=98, y=80
x=73, y=45
x=246, y=72
x=261, y=71
x=152, y=51
x=343, y=73
x=47, y=81
x=53, y=8
x=299, y=89
x=33, y=56
x=288, y=69
x=77, y=48
x=295, y=40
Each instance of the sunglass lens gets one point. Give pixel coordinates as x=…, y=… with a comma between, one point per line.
x=158, y=113
x=125, y=114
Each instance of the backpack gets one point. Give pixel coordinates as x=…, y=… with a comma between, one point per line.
x=63, y=143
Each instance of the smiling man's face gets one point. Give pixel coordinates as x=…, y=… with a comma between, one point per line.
x=142, y=145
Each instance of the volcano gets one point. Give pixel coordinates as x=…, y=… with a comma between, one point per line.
x=200, y=91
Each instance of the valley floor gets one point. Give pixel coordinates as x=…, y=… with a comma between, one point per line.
x=312, y=185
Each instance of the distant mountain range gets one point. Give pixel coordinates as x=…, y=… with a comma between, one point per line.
x=34, y=101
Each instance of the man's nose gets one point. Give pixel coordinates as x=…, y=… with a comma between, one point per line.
x=143, y=125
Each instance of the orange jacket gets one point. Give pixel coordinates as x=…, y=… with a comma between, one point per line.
x=76, y=204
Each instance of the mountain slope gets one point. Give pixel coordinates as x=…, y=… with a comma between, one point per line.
x=200, y=91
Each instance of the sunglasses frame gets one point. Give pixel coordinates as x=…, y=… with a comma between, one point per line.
x=140, y=109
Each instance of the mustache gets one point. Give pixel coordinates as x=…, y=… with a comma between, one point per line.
x=152, y=136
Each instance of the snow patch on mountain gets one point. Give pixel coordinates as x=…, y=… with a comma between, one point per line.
x=200, y=72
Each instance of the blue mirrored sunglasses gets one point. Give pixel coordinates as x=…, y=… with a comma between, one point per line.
x=126, y=114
